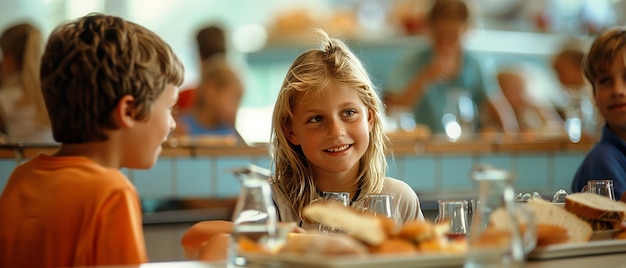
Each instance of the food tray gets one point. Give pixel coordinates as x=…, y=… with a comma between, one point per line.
x=371, y=261
x=578, y=249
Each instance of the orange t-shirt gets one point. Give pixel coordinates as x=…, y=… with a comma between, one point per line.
x=69, y=211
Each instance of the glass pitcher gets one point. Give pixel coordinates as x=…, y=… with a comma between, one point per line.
x=497, y=237
x=254, y=217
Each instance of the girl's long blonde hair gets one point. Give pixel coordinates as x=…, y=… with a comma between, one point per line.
x=23, y=42
x=314, y=70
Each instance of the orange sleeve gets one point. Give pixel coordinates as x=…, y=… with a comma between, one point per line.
x=119, y=238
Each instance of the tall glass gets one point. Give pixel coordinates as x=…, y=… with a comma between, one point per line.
x=254, y=217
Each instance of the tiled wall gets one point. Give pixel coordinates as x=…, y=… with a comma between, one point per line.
x=429, y=174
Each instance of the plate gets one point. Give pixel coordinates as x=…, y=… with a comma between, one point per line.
x=578, y=249
x=418, y=260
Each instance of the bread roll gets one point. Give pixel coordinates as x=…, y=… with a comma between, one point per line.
x=595, y=207
x=395, y=246
x=318, y=244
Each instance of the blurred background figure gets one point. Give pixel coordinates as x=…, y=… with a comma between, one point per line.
x=444, y=85
x=23, y=114
x=577, y=107
x=210, y=41
x=216, y=101
x=532, y=114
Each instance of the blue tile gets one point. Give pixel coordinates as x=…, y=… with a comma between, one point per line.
x=265, y=162
x=502, y=161
x=6, y=167
x=227, y=184
x=418, y=172
x=532, y=172
x=565, y=166
x=155, y=182
x=455, y=172
x=193, y=177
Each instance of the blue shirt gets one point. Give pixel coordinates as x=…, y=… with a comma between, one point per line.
x=605, y=161
x=434, y=102
x=195, y=129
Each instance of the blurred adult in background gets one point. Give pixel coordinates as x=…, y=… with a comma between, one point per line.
x=217, y=98
x=23, y=114
x=577, y=105
x=442, y=77
x=210, y=41
x=532, y=115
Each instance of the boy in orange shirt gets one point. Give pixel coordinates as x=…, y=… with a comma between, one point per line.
x=109, y=87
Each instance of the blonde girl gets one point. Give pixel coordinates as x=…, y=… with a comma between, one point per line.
x=328, y=136
x=23, y=113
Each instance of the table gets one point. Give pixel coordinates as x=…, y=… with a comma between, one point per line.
x=597, y=261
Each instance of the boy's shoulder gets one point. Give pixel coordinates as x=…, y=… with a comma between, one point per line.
x=79, y=167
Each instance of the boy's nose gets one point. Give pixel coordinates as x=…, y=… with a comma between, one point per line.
x=619, y=88
x=172, y=123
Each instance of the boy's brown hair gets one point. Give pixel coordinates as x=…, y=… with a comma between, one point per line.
x=89, y=64
x=449, y=9
x=605, y=48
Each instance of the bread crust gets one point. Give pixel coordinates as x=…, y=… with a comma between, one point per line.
x=607, y=210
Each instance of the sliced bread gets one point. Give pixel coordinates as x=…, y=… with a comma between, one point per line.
x=365, y=227
x=595, y=207
x=549, y=214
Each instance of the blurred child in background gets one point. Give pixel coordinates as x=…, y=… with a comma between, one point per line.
x=216, y=101
x=427, y=80
x=23, y=114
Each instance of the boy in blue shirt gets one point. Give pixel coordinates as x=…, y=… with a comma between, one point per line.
x=605, y=68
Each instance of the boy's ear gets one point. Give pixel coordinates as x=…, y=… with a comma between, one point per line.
x=124, y=112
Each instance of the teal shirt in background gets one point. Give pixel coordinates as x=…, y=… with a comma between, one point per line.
x=433, y=105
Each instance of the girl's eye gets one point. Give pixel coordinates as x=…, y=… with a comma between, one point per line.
x=315, y=119
x=350, y=112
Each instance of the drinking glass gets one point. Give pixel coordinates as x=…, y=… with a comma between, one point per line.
x=341, y=197
x=379, y=204
x=254, y=217
x=474, y=203
x=600, y=187
x=455, y=212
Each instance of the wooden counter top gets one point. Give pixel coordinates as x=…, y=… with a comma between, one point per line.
x=435, y=145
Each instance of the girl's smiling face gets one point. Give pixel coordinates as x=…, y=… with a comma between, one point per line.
x=332, y=127
x=610, y=92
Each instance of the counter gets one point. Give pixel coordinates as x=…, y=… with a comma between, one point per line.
x=435, y=167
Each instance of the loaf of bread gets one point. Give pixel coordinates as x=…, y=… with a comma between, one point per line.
x=365, y=227
x=556, y=225
x=595, y=207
